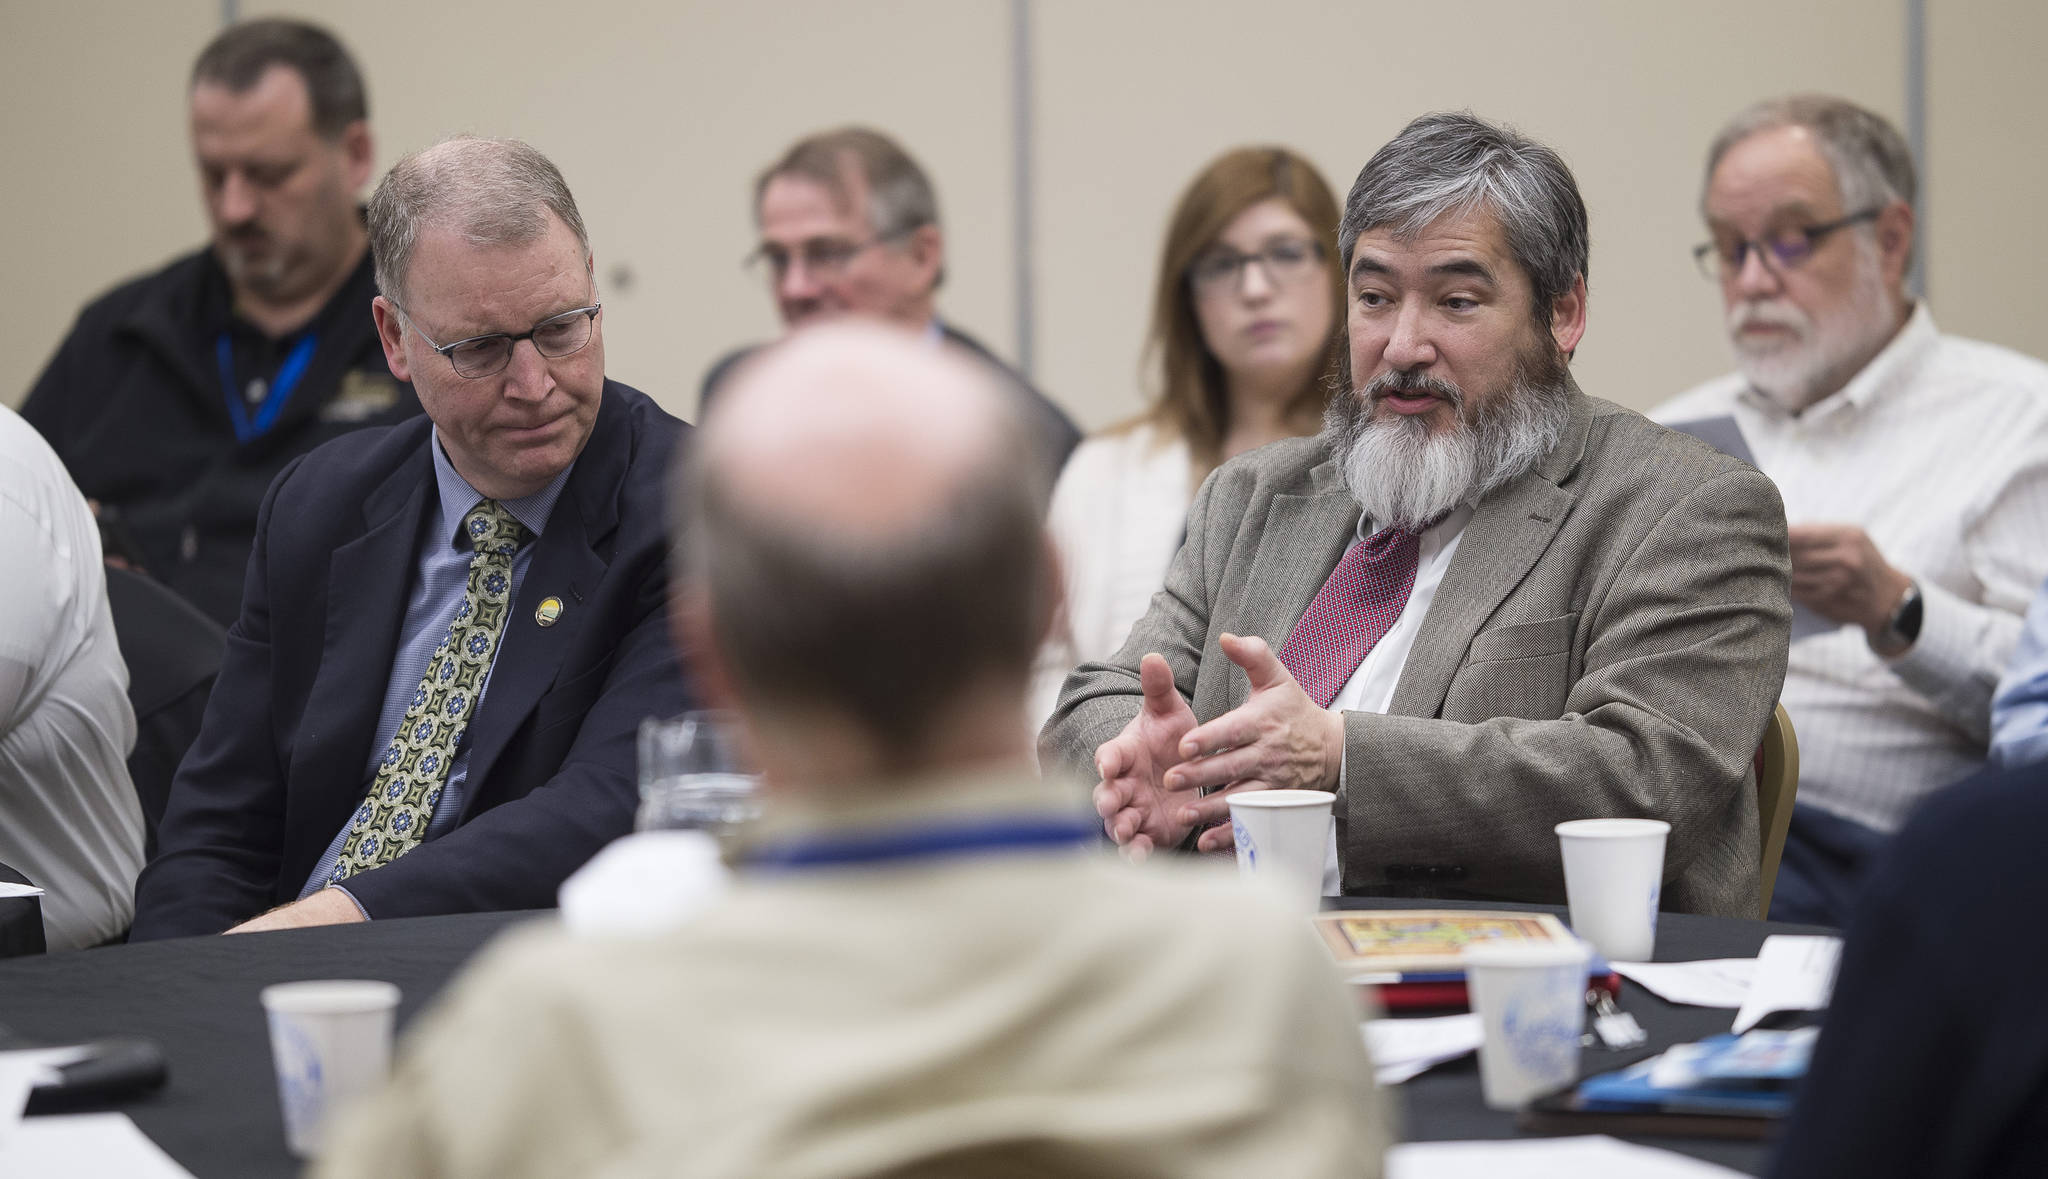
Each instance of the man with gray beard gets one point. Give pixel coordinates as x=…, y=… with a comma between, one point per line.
x=1480, y=603
x=1914, y=468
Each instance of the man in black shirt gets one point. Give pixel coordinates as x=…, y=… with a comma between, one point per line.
x=179, y=396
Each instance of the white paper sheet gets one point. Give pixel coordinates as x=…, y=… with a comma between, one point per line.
x=42, y=1063
x=1793, y=973
x=17, y=1077
x=10, y=889
x=1403, y=1048
x=1545, y=1158
x=84, y=1146
x=1710, y=982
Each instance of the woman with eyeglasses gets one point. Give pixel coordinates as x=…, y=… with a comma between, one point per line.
x=1240, y=351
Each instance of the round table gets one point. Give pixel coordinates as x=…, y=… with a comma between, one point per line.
x=21, y=919
x=218, y=1113
x=1445, y=1102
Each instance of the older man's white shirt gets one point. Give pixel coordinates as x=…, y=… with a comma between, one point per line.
x=1938, y=449
x=69, y=819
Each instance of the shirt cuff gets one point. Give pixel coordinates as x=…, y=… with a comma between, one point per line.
x=352, y=900
x=1942, y=662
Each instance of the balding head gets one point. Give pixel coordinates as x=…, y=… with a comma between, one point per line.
x=861, y=530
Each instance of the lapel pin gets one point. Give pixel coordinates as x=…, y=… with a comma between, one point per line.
x=549, y=611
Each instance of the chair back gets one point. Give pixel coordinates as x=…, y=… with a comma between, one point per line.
x=1777, y=782
x=173, y=653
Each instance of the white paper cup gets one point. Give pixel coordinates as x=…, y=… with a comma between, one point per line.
x=1531, y=1002
x=1283, y=840
x=331, y=1042
x=1613, y=877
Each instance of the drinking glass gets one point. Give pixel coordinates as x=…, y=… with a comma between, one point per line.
x=691, y=775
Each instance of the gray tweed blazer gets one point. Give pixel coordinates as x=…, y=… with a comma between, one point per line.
x=1609, y=640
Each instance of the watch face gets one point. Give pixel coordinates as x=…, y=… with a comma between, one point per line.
x=1909, y=616
x=1904, y=626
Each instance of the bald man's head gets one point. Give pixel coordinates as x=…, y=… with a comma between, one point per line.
x=861, y=525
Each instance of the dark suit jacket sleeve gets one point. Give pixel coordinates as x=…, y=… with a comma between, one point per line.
x=515, y=855
x=1934, y=1056
x=218, y=848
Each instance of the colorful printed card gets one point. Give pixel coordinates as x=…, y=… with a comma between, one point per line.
x=1423, y=940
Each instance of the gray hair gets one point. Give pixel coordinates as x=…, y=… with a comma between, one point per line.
x=1872, y=164
x=900, y=196
x=1453, y=162
x=1870, y=159
x=493, y=191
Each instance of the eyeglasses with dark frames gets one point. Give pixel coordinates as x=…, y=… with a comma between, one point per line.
x=826, y=257
x=1286, y=261
x=482, y=356
x=1784, y=250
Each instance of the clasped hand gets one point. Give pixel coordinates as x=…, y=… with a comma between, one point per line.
x=1152, y=774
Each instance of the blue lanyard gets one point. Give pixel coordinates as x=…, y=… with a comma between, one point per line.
x=295, y=366
x=979, y=836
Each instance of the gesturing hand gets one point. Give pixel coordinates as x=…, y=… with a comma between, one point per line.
x=1278, y=739
x=1132, y=798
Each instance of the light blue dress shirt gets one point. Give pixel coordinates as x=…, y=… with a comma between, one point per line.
x=2019, y=712
x=440, y=580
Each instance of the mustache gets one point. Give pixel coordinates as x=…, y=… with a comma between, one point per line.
x=1767, y=314
x=1411, y=384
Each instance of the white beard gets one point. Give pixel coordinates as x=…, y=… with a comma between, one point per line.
x=1404, y=475
x=1825, y=350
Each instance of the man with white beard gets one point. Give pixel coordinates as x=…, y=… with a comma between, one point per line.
x=1480, y=603
x=1913, y=465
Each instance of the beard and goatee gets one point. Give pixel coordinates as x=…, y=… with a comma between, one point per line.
x=1406, y=472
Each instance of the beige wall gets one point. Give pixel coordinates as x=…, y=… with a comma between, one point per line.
x=99, y=181
x=1137, y=96
x=660, y=113
x=1987, y=273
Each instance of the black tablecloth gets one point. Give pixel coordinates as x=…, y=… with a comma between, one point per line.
x=21, y=919
x=1445, y=1103
x=218, y=1115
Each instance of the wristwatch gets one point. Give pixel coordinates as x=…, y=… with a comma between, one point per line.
x=1904, y=625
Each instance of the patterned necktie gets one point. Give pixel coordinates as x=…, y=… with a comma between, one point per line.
x=394, y=815
x=1352, y=612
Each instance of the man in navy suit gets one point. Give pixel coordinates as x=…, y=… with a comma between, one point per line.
x=452, y=627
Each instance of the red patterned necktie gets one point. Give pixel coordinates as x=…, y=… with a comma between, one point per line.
x=1352, y=612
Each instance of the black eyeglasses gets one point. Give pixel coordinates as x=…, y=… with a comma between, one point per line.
x=1286, y=262
x=482, y=356
x=826, y=257
x=1787, y=248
